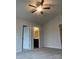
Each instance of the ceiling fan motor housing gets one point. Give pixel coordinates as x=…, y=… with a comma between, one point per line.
x=38, y=4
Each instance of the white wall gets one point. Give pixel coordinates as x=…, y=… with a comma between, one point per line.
x=19, y=24
x=51, y=34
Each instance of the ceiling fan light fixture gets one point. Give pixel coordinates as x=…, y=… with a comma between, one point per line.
x=39, y=9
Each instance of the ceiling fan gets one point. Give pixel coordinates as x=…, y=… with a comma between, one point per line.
x=39, y=6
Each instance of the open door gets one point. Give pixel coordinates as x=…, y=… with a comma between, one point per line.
x=60, y=28
x=26, y=38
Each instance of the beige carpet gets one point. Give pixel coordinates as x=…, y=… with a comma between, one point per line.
x=41, y=53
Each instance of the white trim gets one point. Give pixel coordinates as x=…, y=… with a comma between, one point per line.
x=18, y=50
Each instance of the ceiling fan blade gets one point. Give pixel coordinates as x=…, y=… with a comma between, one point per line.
x=33, y=11
x=41, y=12
x=32, y=6
x=46, y=8
x=38, y=4
x=49, y=5
x=42, y=1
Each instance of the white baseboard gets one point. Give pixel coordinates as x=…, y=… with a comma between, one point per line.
x=18, y=51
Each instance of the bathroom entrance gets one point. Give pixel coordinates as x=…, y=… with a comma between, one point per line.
x=36, y=37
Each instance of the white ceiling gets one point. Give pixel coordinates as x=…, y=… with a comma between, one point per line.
x=23, y=13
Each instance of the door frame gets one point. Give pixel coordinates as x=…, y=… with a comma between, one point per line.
x=38, y=39
x=23, y=34
x=60, y=30
x=31, y=37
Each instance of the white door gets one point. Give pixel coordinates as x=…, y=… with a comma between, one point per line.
x=26, y=38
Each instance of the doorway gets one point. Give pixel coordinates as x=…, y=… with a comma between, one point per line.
x=36, y=43
x=30, y=37
x=36, y=37
x=26, y=41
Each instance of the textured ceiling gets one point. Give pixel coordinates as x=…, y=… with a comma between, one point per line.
x=24, y=13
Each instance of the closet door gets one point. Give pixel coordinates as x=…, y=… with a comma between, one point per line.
x=26, y=37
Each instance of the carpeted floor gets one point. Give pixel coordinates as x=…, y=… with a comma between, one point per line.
x=41, y=53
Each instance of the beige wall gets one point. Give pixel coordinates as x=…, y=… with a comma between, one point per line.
x=19, y=24
x=51, y=33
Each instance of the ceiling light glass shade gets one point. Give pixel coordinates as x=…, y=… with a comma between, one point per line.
x=39, y=9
